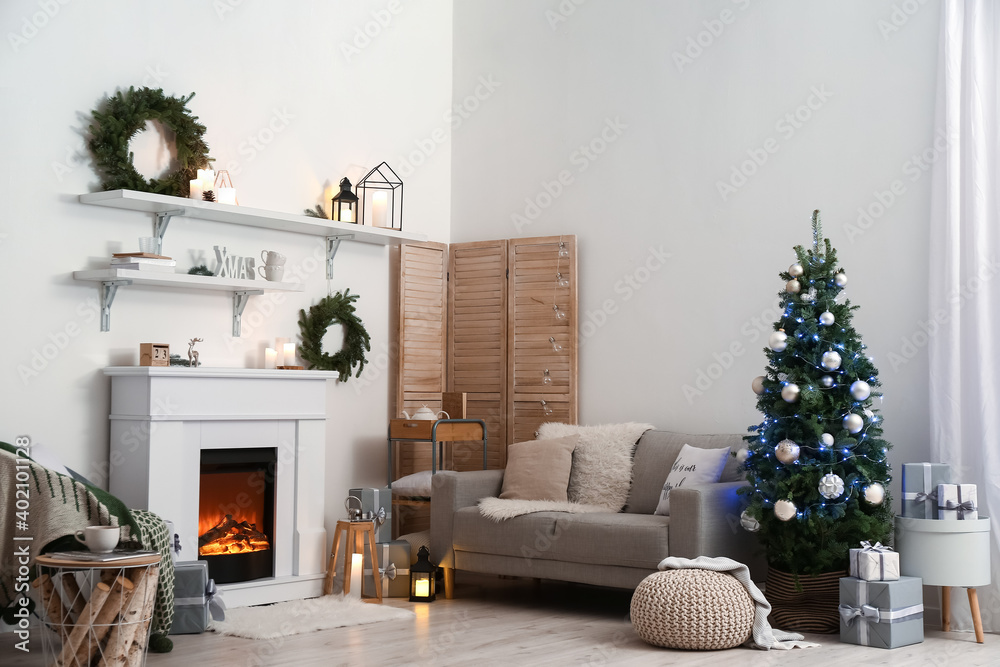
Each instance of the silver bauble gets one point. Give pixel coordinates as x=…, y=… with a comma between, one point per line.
x=793, y=286
x=853, y=423
x=787, y=452
x=758, y=385
x=874, y=493
x=827, y=439
x=860, y=390
x=826, y=381
x=795, y=270
x=831, y=486
x=826, y=318
x=840, y=279
x=790, y=392
x=785, y=510
x=750, y=524
x=831, y=360
x=741, y=455
x=808, y=297
x=778, y=341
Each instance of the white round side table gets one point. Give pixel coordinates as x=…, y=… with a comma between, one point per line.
x=946, y=553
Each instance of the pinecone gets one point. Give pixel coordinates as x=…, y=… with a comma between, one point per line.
x=208, y=195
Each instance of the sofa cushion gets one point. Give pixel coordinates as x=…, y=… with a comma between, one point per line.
x=538, y=469
x=630, y=540
x=656, y=453
x=693, y=465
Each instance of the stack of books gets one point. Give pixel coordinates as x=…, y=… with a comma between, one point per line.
x=143, y=261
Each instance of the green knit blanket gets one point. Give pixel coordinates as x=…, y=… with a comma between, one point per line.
x=55, y=507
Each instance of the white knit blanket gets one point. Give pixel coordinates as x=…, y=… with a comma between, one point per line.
x=763, y=636
x=500, y=510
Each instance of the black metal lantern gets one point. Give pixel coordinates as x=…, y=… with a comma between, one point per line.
x=381, y=195
x=345, y=203
x=422, y=577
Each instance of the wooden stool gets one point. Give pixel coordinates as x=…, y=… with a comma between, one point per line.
x=356, y=531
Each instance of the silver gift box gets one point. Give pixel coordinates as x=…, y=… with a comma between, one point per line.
x=920, y=483
x=377, y=503
x=883, y=614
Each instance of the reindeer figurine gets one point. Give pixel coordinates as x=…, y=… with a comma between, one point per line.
x=193, y=353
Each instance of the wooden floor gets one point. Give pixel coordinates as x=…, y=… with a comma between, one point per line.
x=496, y=621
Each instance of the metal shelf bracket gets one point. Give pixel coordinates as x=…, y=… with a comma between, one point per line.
x=160, y=222
x=332, y=246
x=109, y=289
x=240, y=299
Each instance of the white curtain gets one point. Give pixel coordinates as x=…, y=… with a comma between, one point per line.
x=964, y=347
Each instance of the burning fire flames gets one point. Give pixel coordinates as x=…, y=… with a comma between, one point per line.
x=230, y=536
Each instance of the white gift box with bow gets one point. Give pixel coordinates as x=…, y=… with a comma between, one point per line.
x=874, y=562
x=957, y=501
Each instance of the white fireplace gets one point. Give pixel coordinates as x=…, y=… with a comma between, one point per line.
x=162, y=418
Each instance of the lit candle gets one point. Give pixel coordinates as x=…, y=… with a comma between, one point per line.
x=270, y=358
x=226, y=196
x=207, y=178
x=345, y=214
x=289, y=354
x=279, y=345
x=379, y=202
x=196, y=189
x=421, y=588
x=357, y=568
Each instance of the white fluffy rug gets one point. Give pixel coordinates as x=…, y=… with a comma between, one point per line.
x=602, y=461
x=298, y=616
x=499, y=510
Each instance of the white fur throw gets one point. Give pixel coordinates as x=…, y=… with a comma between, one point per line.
x=602, y=462
x=500, y=510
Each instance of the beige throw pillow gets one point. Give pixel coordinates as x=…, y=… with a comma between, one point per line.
x=539, y=469
x=693, y=465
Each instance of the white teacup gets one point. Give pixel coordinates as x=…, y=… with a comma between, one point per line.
x=99, y=539
x=271, y=272
x=272, y=258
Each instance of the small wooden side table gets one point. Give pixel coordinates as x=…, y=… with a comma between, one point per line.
x=356, y=533
x=946, y=553
x=99, y=610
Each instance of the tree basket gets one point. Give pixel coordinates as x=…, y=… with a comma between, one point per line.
x=809, y=607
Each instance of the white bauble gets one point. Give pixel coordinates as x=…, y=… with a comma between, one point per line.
x=874, y=493
x=860, y=390
x=750, y=524
x=826, y=318
x=827, y=439
x=808, y=297
x=869, y=413
x=785, y=509
x=790, y=392
x=831, y=486
x=787, y=452
x=741, y=455
x=795, y=270
x=840, y=279
x=826, y=381
x=793, y=286
x=853, y=423
x=778, y=341
x=758, y=385
x=831, y=360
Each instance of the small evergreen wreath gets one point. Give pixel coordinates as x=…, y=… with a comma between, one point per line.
x=336, y=309
x=123, y=116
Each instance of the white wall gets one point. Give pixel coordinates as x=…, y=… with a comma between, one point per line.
x=339, y=113
x=570, y=72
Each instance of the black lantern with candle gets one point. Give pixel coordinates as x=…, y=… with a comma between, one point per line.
x=422, y=577
x=381, y=195
x=345, y=203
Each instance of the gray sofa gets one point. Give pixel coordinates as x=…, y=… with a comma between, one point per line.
x=612, y=549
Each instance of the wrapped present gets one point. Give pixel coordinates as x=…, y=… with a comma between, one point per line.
x=957, y=501
x=394, y=569
x=884, y=614
x=874, y=562
x=196, y=599
x=920, y=483
x=376, y=504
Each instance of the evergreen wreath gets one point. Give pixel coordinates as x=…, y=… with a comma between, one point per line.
x=336, y=309
x=123, y=116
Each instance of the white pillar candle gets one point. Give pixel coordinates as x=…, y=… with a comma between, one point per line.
x=207, y=178
x=345, y=215
x=270, y=358
x=289, y=354
x=226, y=196
x=196, y=189
x=357, y=568
x=279, y=345
x=422, y=588
x=379, y=205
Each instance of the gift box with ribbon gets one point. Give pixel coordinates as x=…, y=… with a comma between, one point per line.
x=920, y=486
x=957, y=501
x=874, y=562
x=196, y=599
x=376, y=504
x=883, y=614
x=394, y=569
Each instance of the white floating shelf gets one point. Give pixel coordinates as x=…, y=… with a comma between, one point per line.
x=251, y=217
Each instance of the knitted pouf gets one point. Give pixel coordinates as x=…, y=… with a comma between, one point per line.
x=692, y=609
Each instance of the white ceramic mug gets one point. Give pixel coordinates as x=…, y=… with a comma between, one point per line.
x=272, y=258
x=99, y=539
x=271, y=272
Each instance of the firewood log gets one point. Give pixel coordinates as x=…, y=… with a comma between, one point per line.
x=54, y=609
x=75, y=599
x=138, y=649
x=101, y=624
x=218, y=531
x=72, y=643
x=121, y=638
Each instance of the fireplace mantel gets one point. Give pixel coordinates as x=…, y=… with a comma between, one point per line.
x=161, y=419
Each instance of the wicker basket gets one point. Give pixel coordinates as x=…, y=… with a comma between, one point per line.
x=809, y=607
x=692, y=609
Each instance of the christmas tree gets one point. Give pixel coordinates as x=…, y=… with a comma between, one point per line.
x=817, y=462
